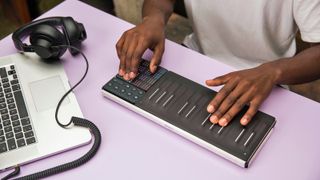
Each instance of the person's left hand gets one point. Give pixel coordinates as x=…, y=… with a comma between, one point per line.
x=247, y=87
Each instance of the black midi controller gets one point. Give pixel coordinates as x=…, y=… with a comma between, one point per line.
x=179, y=104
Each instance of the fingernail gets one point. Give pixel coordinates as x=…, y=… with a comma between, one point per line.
x=126, y=76
x=121, y=72
x=210, y=108
x=244, y=121
x=132, y=75
x=223, y=122
x=214, y=119
x=153, y=69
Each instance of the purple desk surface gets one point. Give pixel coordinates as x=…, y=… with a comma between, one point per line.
x=135, y=148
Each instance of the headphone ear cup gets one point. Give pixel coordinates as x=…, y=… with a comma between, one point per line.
x=75, y=32
x=43, y=38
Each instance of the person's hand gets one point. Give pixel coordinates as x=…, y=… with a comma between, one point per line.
x=134, y=42
x=247, y=87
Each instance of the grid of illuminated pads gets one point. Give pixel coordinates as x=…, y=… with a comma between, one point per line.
x=145, y=79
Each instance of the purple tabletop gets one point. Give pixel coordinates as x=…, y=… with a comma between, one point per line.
x=135, y=148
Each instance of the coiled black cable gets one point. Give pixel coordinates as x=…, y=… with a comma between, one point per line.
x=64, y=167
x=76, y=122
x=13, y=174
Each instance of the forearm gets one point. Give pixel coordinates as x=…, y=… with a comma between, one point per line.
x=158, y=10
x=303, y=67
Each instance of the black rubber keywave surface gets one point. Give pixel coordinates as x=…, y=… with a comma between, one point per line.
x=182, y=103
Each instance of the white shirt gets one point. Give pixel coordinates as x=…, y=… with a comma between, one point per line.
x=247, y=33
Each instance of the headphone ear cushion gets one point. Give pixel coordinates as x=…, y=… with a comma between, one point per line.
x=71, y=30
x=43, y=38
x=75, y=32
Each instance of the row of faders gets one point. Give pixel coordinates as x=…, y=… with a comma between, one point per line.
x=179, y=104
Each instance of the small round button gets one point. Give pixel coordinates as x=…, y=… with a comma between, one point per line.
x=129, y=94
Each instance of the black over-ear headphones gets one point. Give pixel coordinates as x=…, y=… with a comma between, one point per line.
x=45, y=37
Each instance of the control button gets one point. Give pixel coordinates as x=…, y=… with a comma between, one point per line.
x=31, y=140
x=11, y=144
x=129, y=93
x=21, y=142
x=3, y=147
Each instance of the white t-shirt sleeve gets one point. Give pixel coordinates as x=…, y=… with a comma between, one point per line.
x=307, y=16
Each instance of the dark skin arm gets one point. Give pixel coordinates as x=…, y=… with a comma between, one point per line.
x=252, y=86
x=149, y=34
x=247, y=87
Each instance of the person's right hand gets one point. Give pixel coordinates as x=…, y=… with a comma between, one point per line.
x=134, y=42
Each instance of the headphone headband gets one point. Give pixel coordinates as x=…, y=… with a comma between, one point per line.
x=28, y=28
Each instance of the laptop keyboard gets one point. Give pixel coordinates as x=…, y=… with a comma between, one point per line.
x=15, y=127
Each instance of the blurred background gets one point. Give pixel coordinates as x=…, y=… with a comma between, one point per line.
x=14, y=13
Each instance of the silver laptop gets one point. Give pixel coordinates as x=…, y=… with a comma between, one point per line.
x=29, y=93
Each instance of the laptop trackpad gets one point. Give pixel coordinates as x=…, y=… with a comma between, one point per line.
x=46, y=93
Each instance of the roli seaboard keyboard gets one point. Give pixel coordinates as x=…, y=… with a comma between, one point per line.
x=179, y=104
